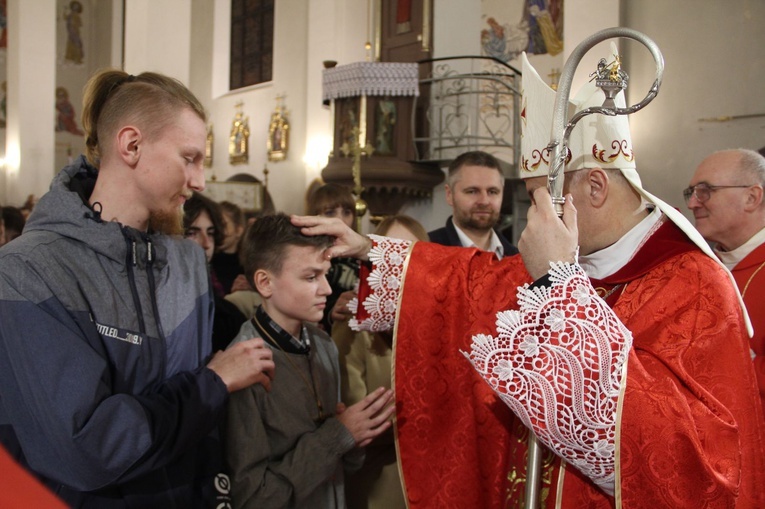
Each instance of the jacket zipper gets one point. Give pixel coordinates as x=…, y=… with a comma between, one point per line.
x=153, y=293
x=131, y=263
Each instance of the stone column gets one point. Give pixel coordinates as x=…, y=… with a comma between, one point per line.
x=29, y=134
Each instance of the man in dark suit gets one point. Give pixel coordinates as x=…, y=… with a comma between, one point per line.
x=474, y=191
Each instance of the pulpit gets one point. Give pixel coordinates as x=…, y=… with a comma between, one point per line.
x=373, y=121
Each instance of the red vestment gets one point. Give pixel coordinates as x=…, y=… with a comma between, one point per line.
x=20, y=489
x=751, y=281
x=688, y=433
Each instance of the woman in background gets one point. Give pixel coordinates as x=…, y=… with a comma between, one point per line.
x=203, y=223
x=225, y=261
x=331, y=200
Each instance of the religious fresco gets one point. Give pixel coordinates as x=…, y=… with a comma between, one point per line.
x=3, y=24
x=514, y=26
x=74, y=50
x=66, y=118
x=83, y=45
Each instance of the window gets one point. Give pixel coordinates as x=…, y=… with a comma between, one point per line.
x=252, y=42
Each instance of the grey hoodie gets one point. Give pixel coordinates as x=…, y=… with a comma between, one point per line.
x=104, y=334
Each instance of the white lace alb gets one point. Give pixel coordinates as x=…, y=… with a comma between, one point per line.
x=387, y=256
x=558, y=364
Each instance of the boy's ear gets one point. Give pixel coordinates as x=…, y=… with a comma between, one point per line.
x=262, y=281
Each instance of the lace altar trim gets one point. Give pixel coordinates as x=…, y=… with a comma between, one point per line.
x=558, y=364
x=387, y=257
x=371, y=78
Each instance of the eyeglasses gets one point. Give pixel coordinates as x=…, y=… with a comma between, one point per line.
x=703, y=191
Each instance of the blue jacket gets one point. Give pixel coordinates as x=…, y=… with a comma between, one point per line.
x=104, y=335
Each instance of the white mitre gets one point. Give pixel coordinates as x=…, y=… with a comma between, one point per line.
x=596, y=141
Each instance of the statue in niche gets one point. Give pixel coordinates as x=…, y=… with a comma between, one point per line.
x=238, y=146
x=74, y=50
x=386, y=119
x=278, y=132
x=209, y=147
x=348, y=120
x=65, y=116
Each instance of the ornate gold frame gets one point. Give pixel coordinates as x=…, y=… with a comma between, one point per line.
x=209, y=143
x=238, y=145
x=278, y=133
x=248, y=195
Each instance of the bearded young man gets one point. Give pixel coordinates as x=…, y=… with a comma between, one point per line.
x=109, y=394
x=630, y=361
x=474, y=188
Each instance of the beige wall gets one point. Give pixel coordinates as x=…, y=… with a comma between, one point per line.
x=337, y=33
x=715, y=66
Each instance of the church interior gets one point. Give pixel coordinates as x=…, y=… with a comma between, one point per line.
x=264, y=71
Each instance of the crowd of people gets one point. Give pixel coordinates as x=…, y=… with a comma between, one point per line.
x=159, y=349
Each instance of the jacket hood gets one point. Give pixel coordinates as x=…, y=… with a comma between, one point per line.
x=64, y=210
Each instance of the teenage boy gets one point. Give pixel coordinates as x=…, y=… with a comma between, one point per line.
x=288, y=447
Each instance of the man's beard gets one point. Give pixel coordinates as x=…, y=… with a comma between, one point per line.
x=169, y=222
x=468, y=222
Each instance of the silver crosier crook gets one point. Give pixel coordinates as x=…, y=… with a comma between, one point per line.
x=562, y=126
x=611, y=83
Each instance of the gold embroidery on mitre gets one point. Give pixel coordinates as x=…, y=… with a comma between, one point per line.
x=620, y=147
x=539, y=157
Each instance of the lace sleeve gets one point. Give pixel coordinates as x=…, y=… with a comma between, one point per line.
x=378, y=311
x=558, y=363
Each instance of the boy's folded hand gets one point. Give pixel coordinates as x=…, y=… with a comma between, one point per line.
x=368, y=418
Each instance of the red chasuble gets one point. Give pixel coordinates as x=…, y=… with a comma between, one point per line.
x=452, y=430
x=750, y=278
x=20, y=489
x=688, y=436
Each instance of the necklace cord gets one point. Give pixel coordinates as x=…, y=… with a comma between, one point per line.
x=311, y=385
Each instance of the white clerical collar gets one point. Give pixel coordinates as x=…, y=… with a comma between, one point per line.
x=607, y=261
x=495, y=246
x=733, y=257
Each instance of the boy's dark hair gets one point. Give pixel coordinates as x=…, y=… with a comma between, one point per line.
x=266, y=240
x=195, y=205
